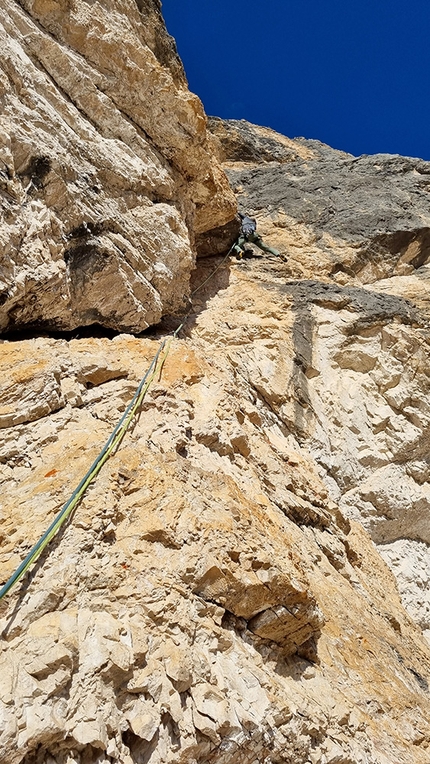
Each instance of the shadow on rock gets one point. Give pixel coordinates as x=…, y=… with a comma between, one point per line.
x=52, y=599
x=211, y=275
x=371, y=308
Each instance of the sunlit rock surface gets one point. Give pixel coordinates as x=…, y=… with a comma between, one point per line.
x=356, y=285
x=106, y=173
x=217, y=596
x=208, y=601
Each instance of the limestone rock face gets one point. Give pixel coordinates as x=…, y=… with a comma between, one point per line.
x=208, y=601
x=356, y=219
x=217, y=597
x=356, y=286
x=106, y=173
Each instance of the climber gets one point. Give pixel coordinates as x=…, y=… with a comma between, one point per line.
x=248, y=233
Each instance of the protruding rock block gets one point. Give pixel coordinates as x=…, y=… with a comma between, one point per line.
x=107, y=175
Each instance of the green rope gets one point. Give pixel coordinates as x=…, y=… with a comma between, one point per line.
x=110, y=446
x=214, y=270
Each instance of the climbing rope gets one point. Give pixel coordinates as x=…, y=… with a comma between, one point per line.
x=110, y=446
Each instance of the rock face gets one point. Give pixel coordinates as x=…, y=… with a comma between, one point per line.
x=106, y=173
x=208, y=602
x=215, y=598
x=359, y=373
x=357, y=219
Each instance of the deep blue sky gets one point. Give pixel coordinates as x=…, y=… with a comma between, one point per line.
x=352, y=73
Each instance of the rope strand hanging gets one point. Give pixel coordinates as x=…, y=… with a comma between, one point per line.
x=110, y=446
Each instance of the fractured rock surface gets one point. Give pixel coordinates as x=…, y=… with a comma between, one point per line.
x=356, y=234
x=106, y=172
x=217, y=596
x=208, y=602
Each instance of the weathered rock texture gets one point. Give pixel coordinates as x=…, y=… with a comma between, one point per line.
x=209, y=602
x=356, y=231
x=106, y=173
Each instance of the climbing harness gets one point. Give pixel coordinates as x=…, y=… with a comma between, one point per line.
x=110, y=446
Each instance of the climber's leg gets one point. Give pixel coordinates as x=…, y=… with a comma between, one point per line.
x=261, y=245
x=238, y=248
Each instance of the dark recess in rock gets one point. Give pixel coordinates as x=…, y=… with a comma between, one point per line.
x=37, y=169
x=86, y=229
x=87, y=259
x=219, y=240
